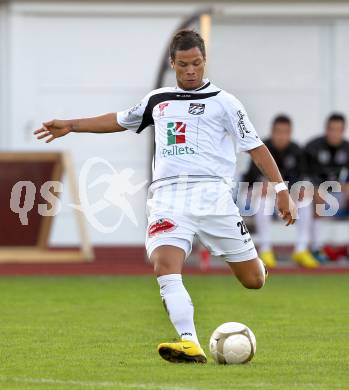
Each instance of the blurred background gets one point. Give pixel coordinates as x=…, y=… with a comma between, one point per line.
x=63, y=59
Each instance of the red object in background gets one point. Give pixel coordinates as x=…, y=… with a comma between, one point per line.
x=130, y=260
x=334, y=253
x=36, y=171
x=204, y=257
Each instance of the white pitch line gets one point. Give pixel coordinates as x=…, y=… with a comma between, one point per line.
x=109, y=385
x=289, y=385
x=154, y=386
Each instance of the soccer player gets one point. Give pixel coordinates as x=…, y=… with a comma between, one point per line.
x=198, y=127
x=328, y=159
x=289, y=158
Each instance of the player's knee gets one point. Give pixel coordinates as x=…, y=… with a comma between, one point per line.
x=167, y=260
x=162, y=268
x=160, y=264
x=254, y=283
x=259, y=282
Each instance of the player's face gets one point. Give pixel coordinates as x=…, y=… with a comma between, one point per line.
x=189, y=66
x=281, y=135
x=335, y=132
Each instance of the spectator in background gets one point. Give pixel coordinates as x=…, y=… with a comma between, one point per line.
x=290, y=159
x=328, y=159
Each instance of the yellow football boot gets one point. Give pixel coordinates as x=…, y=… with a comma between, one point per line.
x=305, y=259
x=268, y=258
x=183, y=351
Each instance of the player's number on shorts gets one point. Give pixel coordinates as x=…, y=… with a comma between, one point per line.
x=243, y=227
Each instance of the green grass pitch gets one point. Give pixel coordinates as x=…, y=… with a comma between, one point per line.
x=102, y=332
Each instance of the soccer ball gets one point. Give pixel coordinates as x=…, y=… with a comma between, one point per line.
x=232, y=343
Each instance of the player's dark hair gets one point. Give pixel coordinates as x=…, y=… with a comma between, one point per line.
x=185, y=40
x=281, y=119
x=336, y=116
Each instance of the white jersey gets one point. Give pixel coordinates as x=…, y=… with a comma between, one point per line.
x=197, y=132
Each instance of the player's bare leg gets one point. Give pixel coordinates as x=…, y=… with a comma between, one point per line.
x=167, y=259
x=168, y=262
x=250, y=273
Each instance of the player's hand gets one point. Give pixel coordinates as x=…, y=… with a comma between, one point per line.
x=287, y=208
x=54, y=129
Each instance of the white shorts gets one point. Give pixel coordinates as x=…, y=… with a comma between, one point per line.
x=223, y=234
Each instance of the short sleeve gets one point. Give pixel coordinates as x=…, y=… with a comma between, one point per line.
x=239, y=125
x=136, y=118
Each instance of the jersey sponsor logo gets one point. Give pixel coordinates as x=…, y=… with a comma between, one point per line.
x=176, y=150
x=196, y=108
x=176, y=133
x=241, y=124
x=176, y=137
x=162, y=225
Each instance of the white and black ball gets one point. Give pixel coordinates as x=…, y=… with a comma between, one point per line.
x=232, y=343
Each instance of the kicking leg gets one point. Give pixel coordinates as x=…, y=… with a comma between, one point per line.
x=251, y=273
x=168, y=262
x=227, y=236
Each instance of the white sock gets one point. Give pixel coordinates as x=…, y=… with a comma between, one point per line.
x=304, y=225
x=263, y=224
x=178, y=305
x=316, y=229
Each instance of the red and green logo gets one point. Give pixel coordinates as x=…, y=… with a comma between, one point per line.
x=176, y=133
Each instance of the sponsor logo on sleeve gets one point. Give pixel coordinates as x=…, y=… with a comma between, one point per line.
x=241, y=124
x=134, y=109
x=196, y=108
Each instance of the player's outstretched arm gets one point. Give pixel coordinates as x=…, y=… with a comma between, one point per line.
x=267, y=165
x=57, y=128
